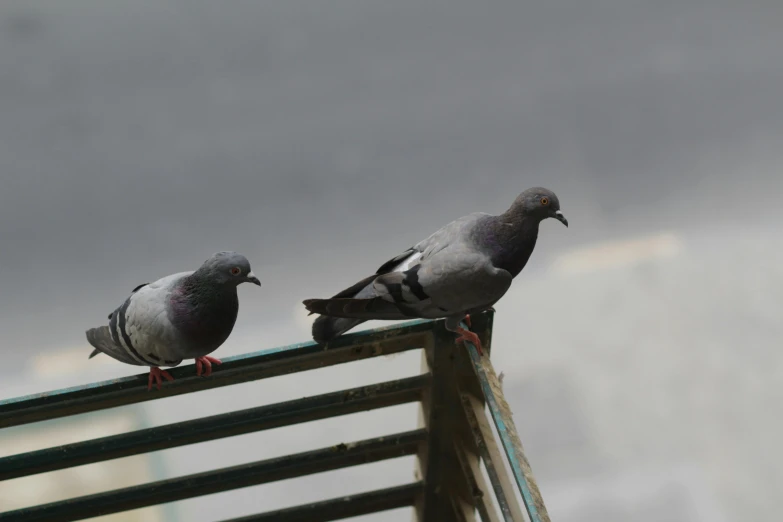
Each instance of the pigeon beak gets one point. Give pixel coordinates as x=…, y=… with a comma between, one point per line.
x=561, y=218
x=251, y=277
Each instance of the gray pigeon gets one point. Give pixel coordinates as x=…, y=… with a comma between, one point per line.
x=463, y=268
x=182, y=316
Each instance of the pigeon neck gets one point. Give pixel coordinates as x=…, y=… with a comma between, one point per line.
x=204, y=310
x=205, y=293
x=511, y=238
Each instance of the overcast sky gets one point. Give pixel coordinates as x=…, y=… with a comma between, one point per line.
x=321, y=138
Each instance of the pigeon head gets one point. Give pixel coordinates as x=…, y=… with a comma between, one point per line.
x=540, y=203
x=229, y=268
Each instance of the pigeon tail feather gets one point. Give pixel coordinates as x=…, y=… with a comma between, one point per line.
x=100, y=338
x=372, y=308
x=326, y=328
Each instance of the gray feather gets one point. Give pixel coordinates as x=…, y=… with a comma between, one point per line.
x=326, y=328
x=103, y=342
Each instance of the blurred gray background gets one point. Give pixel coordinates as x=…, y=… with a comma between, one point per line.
x=640, y=347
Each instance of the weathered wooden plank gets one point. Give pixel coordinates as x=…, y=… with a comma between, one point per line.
x=493, y=460
x=234, y=370
x=215, y=427
x=261, y=472
x=501, y=415
x=344, y=507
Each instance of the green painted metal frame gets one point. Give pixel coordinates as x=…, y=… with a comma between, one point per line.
x=504, y=423
x=280, y=361
x=215, y=427
x=226, y=479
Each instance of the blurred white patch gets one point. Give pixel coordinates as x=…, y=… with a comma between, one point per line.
x=617, y=254
x=66, y=361
x=303, y=319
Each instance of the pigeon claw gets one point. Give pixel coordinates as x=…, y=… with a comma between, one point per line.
x=157, y=375
x=467, y=335
x=204, y=365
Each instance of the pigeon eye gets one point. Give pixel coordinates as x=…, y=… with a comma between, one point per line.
x=236, y=271
x=545, y=201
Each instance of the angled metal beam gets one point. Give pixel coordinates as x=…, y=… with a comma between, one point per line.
x=261, y=472
x=215, y=427
x=344, y=507
x=493, y=459
x=501, y=415
x=234, y=370
x=466, y=450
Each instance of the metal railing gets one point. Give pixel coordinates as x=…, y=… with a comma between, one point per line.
x=455, y=435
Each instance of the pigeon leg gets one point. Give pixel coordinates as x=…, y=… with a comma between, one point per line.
x=467, y=320
x=467, y=335
x=205, y=363
x=157, y=375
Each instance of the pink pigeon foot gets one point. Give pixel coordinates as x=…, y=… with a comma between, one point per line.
x=467, y=335
x=205, y=364
x=157, y=375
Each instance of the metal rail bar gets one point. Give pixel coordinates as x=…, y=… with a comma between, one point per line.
x=234, y=370
x=261, y=472
x=344, y=507
x=215, y=427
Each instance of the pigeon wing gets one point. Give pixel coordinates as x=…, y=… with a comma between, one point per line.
x=139, y=331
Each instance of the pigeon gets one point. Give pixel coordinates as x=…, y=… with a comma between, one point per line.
x=464, y=268
x=181, y=316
